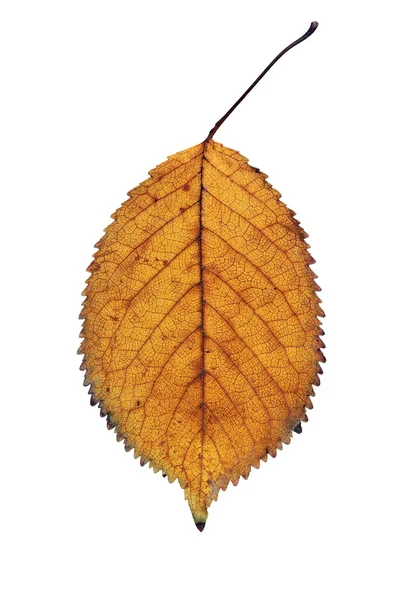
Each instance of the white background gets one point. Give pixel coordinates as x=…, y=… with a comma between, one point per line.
x=94, y=94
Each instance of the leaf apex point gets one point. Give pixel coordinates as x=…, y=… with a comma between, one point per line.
x=200, y=525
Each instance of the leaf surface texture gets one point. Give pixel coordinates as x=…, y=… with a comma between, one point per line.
x=201, y=330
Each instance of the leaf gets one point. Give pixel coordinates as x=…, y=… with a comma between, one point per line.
x=201, y=333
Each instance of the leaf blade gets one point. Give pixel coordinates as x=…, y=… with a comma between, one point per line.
x=201, y=333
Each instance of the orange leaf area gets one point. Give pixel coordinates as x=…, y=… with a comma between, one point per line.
x=201, y=330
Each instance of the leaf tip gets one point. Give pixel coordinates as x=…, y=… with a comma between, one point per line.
x=200, y=525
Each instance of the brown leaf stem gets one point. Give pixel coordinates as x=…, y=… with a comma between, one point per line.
x=218, y=124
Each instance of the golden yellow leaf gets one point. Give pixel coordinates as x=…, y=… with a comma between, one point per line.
x=201, y=332
x=201, y=329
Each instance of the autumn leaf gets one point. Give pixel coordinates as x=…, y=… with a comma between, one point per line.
x=201, y=331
